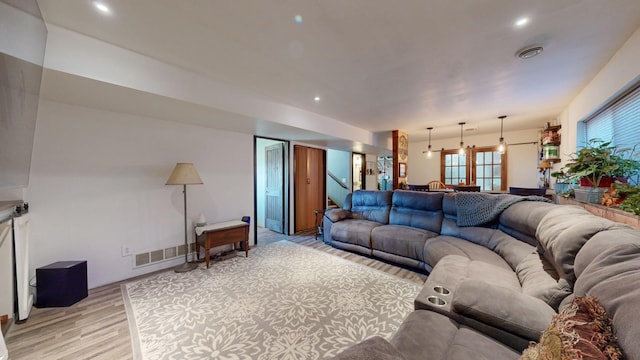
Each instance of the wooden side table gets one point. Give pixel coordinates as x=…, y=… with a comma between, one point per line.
x=224, y=233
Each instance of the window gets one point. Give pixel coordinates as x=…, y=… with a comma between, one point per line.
x=490, y=172
x=617, y=121
x=454, y=167
x=487, y=168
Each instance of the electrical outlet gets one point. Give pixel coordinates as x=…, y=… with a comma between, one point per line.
x=126, y=250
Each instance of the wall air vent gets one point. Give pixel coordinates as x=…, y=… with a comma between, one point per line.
x=156, y=256
x=529, y=52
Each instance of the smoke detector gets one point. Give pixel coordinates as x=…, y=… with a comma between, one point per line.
x=529, y=52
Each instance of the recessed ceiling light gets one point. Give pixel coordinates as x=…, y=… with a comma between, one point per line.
x=521, y=22
x=298, y=19
x=317, y=98
x=102, y=7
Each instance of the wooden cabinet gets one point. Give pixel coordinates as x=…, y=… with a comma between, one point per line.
x=309, y=186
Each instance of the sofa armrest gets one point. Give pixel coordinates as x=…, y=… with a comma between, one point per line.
x=375, y=348
x=504, y=308
x=337, y=214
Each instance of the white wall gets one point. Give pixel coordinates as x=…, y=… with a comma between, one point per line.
x=617, y=75
x=522, y=160
x=98, y=182
x=339, y=163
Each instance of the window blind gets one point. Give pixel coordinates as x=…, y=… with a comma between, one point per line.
x=618, y=122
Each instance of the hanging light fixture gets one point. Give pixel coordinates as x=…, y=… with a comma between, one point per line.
x=501, y=146
x=461, y=151
x=429, y=153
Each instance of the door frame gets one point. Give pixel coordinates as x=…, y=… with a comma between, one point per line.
x=286, y=189
x=274, y=217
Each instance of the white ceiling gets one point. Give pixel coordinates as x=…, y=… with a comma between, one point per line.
x=378, y=64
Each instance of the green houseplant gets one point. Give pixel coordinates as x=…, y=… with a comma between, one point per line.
x=629, y=198
x=598, y=165
x=565, y=182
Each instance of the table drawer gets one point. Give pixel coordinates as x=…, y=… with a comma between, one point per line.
x=228, y=235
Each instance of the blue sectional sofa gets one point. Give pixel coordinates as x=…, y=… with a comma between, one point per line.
x=500, y=268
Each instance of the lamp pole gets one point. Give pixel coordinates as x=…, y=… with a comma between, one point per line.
x=186, y=266
x=184, y=174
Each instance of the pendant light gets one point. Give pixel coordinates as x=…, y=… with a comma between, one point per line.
x=461, y=151
x=501, y=146
x=429, y=153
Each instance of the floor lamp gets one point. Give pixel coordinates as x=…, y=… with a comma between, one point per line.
x=184, y=174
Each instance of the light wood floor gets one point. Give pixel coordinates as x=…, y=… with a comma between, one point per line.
x=97, y=327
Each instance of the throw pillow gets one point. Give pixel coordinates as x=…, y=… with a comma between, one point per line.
x=581, y=331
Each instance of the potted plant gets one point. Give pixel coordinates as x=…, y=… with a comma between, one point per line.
x=629, y=198
x=565, y=182
x=598, y=165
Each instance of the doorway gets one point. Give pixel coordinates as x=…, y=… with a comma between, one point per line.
x=358, y=171
x=270, y=189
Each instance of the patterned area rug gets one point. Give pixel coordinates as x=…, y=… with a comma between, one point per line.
x=285, y=301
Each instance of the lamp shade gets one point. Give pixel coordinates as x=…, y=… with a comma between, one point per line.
x=184, y=174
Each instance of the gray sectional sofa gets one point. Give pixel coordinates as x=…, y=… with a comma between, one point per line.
x=500, y=267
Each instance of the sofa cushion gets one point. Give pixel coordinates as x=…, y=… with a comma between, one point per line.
x=429, y=335
x=354, y=231
x=454, y=269
x=371, y=205
x=608, y=268
x=539, y=279
x=347, y=202
x=449, y=206
x=521, y=219
x=512, y=250
x=401, y=240
x=438, y=247
x=375, y=348
x=503, y=308
x=336, y=215
x=581, y=331
x=421, y=210
x=563, y=231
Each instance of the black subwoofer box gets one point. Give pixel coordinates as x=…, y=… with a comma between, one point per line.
x=62, y=283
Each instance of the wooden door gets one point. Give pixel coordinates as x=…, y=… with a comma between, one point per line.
x=274, y=194
x=309, y=186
